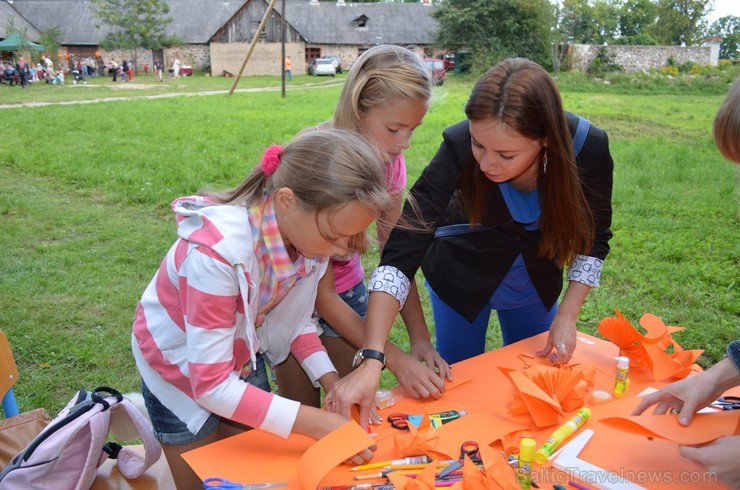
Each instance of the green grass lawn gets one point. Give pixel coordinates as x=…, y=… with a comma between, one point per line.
x=85, y=192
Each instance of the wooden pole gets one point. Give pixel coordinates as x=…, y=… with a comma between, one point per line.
x=252, y=44
x=282, y=47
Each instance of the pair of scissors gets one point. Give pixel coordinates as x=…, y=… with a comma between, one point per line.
x=221, y=483
x=471, y=450
x=467, y=448
x=399, y=421
x=728, y=402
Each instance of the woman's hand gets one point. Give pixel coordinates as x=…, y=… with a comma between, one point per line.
x=419, y=380
x=357, y=388
x=693, y=393
x=424, y=351
x=561, y=340
x=718, y=457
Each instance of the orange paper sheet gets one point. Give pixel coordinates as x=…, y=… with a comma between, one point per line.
x=299, y=456
x=257, y=456
x=704, y=427
x=331, y=451
x=483, y=428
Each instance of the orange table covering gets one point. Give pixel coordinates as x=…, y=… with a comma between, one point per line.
x=483, y=390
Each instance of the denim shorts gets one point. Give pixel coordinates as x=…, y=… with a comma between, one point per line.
x=169, y=429
x=356, y=298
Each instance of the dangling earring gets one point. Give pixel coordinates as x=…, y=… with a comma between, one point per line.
x=544, y=162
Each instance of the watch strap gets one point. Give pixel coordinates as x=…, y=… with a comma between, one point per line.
x=371, y=354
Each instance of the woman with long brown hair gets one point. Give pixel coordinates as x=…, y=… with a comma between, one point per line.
x=505, y=206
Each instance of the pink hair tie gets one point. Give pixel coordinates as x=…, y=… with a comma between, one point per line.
x=270, y=160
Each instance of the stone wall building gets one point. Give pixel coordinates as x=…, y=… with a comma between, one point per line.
x=639, y=58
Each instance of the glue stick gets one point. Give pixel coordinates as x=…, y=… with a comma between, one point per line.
x=524, y=469
x=622, y=381
x=562, y=433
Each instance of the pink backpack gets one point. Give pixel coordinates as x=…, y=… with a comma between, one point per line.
x=68, y=452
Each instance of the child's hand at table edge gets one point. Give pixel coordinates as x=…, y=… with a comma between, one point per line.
x=317, y=423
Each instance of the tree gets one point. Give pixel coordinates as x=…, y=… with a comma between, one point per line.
x=728, y=28
x=606, y=15
x=495, y=29
x=135, y=24
x=577, y=22
x=50, y=41
x=636, y=17
x=680, y=22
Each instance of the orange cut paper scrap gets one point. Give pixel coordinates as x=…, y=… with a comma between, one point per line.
x=498, y=473
x=424, y=479
x=651, y=351
x=418, y=440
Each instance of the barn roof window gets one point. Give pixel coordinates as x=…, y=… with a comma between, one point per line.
x=361, y=21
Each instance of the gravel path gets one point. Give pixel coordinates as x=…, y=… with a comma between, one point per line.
x=168, y=95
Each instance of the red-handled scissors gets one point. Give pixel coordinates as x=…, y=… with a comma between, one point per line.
x=399, y=421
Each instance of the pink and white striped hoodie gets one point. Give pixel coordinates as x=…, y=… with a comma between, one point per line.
x=192, y=333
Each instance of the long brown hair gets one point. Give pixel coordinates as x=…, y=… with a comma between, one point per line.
x=726, y=129
x=521, y=94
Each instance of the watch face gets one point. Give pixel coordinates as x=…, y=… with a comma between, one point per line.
x=358, y=358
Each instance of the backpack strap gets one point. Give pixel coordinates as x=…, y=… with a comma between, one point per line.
x=581, y=134
x=128, y=423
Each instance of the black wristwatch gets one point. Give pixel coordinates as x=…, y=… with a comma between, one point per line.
x=363, y=354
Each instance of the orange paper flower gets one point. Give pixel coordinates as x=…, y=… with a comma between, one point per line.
x=656, y=351
x=545, y=392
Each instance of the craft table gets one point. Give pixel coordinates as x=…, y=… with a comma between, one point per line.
x=483, y=390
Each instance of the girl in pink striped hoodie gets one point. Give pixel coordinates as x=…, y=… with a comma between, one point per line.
x=241, y=282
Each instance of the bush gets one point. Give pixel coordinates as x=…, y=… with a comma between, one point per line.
x=603, y=63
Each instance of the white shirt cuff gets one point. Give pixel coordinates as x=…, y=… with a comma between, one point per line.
x=586, y=270
x=281, y=416
x=390, y=280
x=316, y=365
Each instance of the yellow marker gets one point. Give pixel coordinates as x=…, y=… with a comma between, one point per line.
x=622, y=382
x=562, y=433
x=524, y=469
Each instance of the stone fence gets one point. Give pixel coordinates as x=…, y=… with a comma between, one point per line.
x=639, y=58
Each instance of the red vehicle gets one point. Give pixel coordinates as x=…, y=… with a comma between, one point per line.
x=437, y=67
x=449, y=61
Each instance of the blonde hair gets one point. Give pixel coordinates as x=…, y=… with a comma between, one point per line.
x=726, y=129
x=325, y=170
x=379, y=74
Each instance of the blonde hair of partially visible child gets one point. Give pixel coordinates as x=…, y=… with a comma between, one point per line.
x=380, y=74
x=241, y=282
x=385, y=98
x=727, y=125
